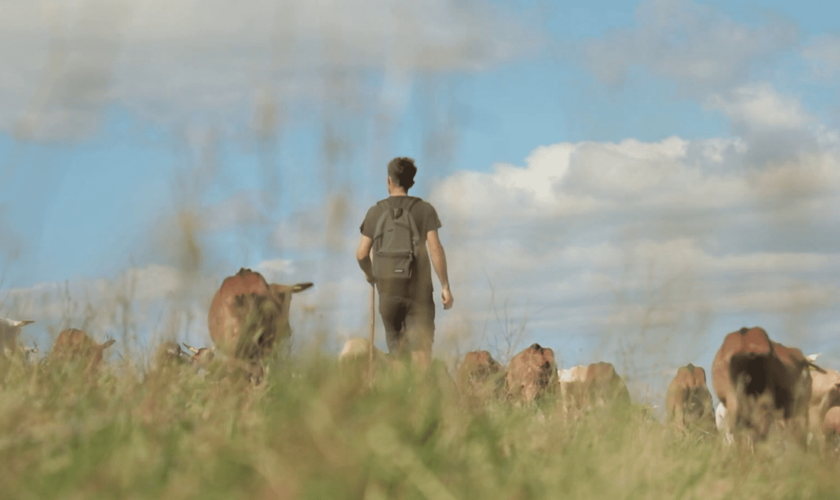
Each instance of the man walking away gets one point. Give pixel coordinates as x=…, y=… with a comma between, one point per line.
x=398, y=229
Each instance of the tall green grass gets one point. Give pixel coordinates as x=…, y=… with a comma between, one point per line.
x=313, y=430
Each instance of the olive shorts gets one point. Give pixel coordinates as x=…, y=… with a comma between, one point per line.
x=409, y=323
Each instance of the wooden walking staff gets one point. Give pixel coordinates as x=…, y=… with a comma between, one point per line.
x=372, y=330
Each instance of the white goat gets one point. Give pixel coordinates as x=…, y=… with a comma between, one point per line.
x=10, y=333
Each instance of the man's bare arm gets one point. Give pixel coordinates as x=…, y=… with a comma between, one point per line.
x=439, y=262
x=363, y=257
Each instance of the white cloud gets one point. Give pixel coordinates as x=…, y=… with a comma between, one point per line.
x=152, y=282
x=693, y=44
x=823, y=52
x=531, y=191
x=761, y=106
x=777, y=131
x=567, y=273
x=276, y=265
x=275, y=270
x=216, y=60
x=670, y=176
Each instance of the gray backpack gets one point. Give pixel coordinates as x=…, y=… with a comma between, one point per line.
x=395, y=242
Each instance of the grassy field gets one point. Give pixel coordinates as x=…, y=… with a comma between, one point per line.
x=310, y=432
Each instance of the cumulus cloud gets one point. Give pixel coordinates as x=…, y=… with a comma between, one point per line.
x=777, y=132
x=215, y=61
x=759, y=105
x=693, y=44
x=678, y=267
x=671, y=176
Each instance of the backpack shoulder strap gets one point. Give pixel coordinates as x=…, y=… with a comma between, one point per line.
x=377, y=233
x=411, y=221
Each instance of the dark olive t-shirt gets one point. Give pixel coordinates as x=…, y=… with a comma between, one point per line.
x=426, y=218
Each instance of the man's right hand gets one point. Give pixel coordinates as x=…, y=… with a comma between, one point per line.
x=446, y=296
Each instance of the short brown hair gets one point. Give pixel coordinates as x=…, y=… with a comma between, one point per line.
x=402, y=170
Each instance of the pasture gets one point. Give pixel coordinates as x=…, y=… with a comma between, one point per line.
x=311, y=430
x=621, y=182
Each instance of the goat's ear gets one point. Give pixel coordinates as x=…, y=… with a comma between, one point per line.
x=108, y=343
x=301, y=287
x=813, y=366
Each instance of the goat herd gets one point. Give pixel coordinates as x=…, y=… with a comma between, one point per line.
x=761, y=384
x=247, y=318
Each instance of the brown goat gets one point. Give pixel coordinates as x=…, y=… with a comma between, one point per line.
x=531, y=374
x=74, y=345
x=247, y=316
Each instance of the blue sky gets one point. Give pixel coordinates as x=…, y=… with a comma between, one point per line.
x=646, y=167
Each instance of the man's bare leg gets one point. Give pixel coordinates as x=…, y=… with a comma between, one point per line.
x=420, y=360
